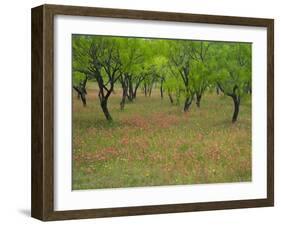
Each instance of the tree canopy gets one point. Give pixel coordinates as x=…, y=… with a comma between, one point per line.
x=183, y=70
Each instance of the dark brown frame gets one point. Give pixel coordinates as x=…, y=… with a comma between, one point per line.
x=42, y=203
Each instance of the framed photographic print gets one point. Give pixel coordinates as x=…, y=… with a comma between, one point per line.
x=141, y=112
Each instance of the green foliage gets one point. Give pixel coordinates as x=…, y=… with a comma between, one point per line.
x=80, y=49
x=206, y=62
x=232, y=67
x=183, y=69
x=78, y=77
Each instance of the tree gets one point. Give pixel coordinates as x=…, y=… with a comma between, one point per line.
x=174, y=88
x=149, y=79
x=179, y=64
x=79, y=85
x=104, y=65
x=232, y=64
x=159, y=70
x=131, y=70
x=199, y=68
x=80, y=73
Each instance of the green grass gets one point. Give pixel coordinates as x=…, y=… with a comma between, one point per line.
x=154, y=143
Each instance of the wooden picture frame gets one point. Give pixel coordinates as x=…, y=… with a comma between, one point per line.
x=42, y=205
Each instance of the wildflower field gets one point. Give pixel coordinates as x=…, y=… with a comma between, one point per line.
x=152, y=142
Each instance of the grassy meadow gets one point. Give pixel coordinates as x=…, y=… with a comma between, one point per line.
x=154, y=143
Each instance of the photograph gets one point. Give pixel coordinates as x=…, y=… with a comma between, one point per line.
x=138, y=112
x=159, y=112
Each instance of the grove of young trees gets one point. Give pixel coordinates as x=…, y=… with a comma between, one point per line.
x=182, y=70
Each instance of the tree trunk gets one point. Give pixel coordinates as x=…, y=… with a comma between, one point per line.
x=81, y=94
x=136, y=88
x=198, y=100
x=130, y=98
x=134, y=95
x=217, y=90
x=123, y=100
x=171, y=98
x=103, y=103
x=131, y=92
x=135, y=92
x=235, y=98
x=83, y=98
x=187, y=103
x=236, y=102
x=161, y=89
x=150, y=90
x=122, y=103
x=145, y=89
